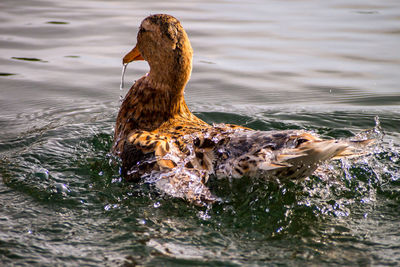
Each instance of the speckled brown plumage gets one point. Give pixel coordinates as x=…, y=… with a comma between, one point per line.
x=156, y=135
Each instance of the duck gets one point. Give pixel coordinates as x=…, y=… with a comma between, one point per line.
x=159, y=140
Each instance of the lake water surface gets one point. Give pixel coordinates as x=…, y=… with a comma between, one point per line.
x=332, y=67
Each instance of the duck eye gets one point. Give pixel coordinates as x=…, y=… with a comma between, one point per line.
x=143, y=29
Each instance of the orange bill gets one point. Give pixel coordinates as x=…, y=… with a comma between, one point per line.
x=133, y=55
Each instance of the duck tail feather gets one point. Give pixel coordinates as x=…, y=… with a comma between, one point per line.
x=315, y=151
x=269, y=166
x=287, y=156
x=356, y=148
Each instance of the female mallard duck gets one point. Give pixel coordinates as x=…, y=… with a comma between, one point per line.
x=158, y=138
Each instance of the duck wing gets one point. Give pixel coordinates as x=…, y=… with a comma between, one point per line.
x=277, y=154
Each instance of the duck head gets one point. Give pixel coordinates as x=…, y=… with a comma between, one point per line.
x=164, y=44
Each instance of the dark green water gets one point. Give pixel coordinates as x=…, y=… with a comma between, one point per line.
x=329, y=68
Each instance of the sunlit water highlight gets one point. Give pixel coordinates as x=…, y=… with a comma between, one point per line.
x=327, y=67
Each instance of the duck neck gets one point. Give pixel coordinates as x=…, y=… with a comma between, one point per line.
x=173, y=73
x=150, y=103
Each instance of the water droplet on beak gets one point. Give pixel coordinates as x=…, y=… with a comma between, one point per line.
x=121, y=86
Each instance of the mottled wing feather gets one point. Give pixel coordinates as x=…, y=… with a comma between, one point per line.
x=272, y=154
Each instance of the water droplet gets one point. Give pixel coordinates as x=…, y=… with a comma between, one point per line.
x=42, y=173
x=116, y=180
x=203, y=215
x=121, y=86
x=62, y=188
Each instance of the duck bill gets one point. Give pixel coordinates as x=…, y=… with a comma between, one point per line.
x=133, y=55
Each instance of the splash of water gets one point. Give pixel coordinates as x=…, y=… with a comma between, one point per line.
x=357, y=179
x=375, y=133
